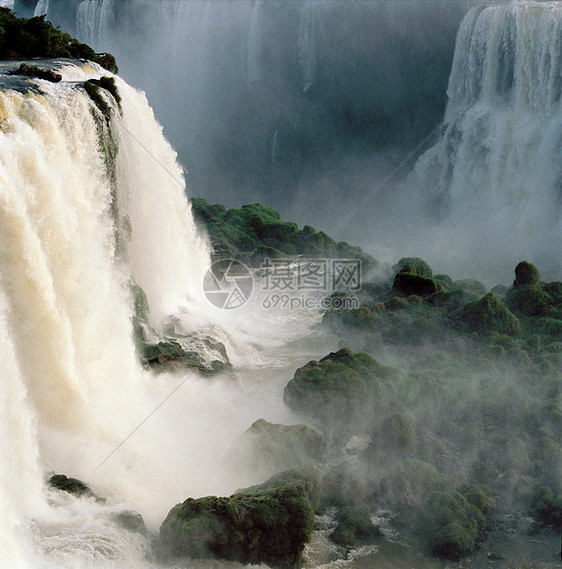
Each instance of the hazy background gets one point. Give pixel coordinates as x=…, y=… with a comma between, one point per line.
x=306, y=106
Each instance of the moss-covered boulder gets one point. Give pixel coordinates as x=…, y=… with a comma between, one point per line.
x=409, y=483
x=529, y=300
x=419, y=265
x=454, y=522
x=266, y=448
x=71, y=485
x=269, y=523
x=354, y=527
x=396, y=434
x=490, y=314
x=409, y=282
x=162, y=355
x=546, y=507
x=342, y=391
x=526, y=274
x=131, y=521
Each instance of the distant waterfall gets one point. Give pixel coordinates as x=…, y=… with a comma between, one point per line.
x=495, y=175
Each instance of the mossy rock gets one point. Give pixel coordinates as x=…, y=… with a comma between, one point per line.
x=490, y=314
x=409, y=483
x=167, y=355
x=453, y=541
x=268, y=523
x=131, y=521
x=454, y=522
x=266, y=448
x=419, y=266
x=471, y=286
x=342, y=391
x=71, y=485
x=396, y=433
x=529, y=300
x=546, y=507
x=408, y=283
x=526, y=274
x=354, y=527
x=341, y=486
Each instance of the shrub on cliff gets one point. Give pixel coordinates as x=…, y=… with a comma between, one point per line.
x=22, y=38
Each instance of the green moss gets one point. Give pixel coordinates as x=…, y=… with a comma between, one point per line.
x=22, y=38
x=254, y=232
x=342, y=388
x=93, y=88
x=269, y=523
x=526, y=274
x=546, y=507
x=419, y=266
x=490, y=314
x=407, y=283
x=354, y=527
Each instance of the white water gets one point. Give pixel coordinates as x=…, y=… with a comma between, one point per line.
x=73, y=389
x=495, y=176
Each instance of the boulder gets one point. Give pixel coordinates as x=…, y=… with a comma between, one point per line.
x=266, y=448
x=268, y=523
x=490, y=314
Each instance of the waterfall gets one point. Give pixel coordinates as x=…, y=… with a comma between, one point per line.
x=72, y=385
x=494, y=178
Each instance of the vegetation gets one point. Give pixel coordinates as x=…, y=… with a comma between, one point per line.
x=269, y=523
x=22, y=38
x=255, y=231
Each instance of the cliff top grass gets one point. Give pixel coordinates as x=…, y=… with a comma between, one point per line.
x=22, y=38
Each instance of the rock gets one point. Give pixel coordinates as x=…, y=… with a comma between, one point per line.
x=131, y=521
x=526, y=274
x=70, y=485
x=164, y=354
x=269, y=523
x=408, y=282
x=266, y=448
x=546, y=508
x=529, y=300
x=341, y=392
x=33, y=71
x=354, y=527
x=419, y=265
x=490, y=314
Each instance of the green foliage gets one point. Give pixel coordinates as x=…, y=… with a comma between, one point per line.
x=407, y=283
x=343, y=388
x=93, y=88
x=529, y=300
x=418, y=265
x=34, y=71
x=354, y=527
x=490, y=314
x=22, y=38
x=546, y=507
x=256, y=231
x=526, y=274
x=269, y=523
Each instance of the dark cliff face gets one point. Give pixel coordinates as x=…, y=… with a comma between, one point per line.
x=266, y=95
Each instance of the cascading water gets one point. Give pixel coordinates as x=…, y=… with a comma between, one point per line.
x=72, y=384
x=494, y=178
